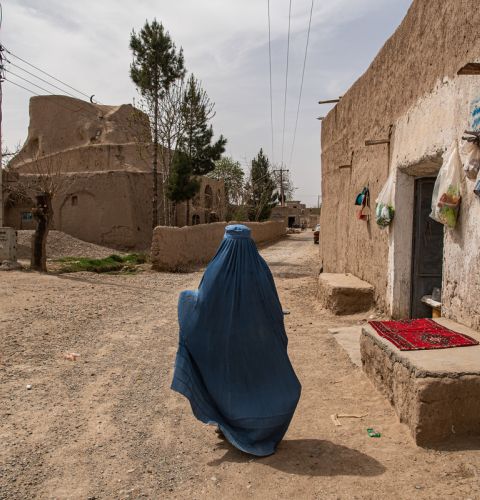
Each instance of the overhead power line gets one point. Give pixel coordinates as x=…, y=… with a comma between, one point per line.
x=41, y=79
x=45, y=73
x=270, y=64
x=21, y=86
x=286, y=79
x=28, y=81
x=301, y=83
x=79, y=110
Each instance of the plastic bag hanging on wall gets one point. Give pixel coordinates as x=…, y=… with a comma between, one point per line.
x=385, y=204
x=446, y=192
x=472, y=159
x=363, y=200
x=476, y=189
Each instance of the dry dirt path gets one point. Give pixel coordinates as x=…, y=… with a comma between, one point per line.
x=108, y=426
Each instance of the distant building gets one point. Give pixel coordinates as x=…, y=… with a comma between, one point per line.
x=296, y=214
x=102, y=154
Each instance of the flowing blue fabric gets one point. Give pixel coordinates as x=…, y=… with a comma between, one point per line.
x=232, y=362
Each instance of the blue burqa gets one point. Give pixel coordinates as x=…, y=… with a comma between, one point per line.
x=232, y=362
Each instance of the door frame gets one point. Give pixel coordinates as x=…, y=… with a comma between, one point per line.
x=400, y=237
x=415, y=236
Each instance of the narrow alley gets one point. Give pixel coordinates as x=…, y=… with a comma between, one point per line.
x=108, y=426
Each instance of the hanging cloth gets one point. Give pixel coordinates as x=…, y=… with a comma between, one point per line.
x=232, y=362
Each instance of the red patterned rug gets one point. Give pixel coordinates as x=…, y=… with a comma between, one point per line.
x=416, y=334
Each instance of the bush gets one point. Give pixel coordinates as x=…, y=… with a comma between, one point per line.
x=111, y=264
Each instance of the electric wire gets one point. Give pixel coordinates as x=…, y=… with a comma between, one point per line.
x=301, y=84
x=79, y=110
x=45, y=73
x=28, y=81
x=40, y=78
x=21, y=86
x=270, y=64
x=286, y=80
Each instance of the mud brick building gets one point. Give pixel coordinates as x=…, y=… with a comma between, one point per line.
x=419, y=94
x=103, y=154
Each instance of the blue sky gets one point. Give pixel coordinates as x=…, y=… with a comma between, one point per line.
x=226, y=45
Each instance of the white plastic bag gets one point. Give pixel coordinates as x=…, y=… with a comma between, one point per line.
x=472, y=161
x=446, y=192
x=385, y=204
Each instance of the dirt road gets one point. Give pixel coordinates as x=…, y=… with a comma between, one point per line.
x=108, y=426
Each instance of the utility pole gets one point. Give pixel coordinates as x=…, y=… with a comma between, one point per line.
x=282, y=196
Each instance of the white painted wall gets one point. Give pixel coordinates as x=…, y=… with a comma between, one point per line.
x=419, y=137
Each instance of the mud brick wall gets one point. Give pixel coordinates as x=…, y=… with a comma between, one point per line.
x=416, y=67
x=183, y=248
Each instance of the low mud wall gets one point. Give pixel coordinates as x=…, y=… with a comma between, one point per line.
x=183, y=248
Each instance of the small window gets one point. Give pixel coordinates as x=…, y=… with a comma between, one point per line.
x=74, y=201
x=27, y=216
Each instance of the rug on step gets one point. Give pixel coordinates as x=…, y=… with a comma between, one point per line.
x=417, y=334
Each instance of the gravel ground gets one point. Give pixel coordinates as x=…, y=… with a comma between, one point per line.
x=108, y=426
x=60, y=244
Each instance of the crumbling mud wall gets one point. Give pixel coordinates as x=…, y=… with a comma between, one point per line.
x=61, y=123
x=99, y=157
x=111, y=209
x=184, y=248
x=436, y=405
x=432, y=43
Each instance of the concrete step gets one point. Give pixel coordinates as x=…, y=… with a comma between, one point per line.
x=344, y=293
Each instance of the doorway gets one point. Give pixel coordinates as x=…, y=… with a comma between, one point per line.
x=291, y=221
x=427, y=250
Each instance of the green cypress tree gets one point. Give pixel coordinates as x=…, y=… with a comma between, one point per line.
x=261, y=189
x=182, y=185
x=198, y=110
x=198, y=152
x=156, y=65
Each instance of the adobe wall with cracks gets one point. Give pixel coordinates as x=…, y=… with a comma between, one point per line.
x=412, y=86
x=436, y=406
x=106, y=208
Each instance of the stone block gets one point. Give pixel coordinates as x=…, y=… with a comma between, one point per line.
x=436, y=393
x=8, y=244
x=344, y=293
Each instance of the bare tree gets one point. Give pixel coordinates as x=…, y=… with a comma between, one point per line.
x=171, y=129
x=8, y=154
x=42, y=180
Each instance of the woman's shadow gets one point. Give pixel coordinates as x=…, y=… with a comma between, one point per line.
x=311, y=457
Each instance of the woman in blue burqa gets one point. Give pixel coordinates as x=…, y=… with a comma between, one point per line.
x=232, y=362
